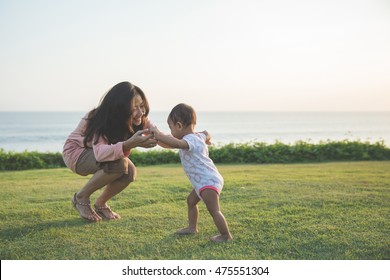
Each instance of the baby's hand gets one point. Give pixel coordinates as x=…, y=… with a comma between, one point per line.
x=154, y=131
x=208, y=137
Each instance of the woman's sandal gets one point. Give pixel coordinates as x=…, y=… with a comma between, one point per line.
x=106, y=212
x=93, y=217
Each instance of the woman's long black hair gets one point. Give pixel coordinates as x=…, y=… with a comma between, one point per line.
x=110, y=118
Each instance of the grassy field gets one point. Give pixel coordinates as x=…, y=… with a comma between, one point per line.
x=293, y=211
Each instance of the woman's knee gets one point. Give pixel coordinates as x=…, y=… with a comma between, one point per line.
x=119, y=166
x=131, y=171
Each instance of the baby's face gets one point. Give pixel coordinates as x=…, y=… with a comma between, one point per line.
x=175, y=129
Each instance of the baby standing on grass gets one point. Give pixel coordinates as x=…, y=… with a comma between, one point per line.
x=207, y=182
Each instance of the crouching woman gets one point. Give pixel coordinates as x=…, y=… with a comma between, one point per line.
x=101, y=145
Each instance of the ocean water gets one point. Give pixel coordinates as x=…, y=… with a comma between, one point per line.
x=47, y=131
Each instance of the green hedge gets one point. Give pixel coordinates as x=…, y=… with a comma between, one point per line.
x=29, y=160
x=231, y=153
x=300, y=152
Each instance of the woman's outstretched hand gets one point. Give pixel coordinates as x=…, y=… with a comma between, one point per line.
x=141, y=138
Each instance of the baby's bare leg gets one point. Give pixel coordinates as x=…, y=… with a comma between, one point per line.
x=211, y=199
x=192, y=203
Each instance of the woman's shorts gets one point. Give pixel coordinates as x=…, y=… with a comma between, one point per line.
x=87, y=164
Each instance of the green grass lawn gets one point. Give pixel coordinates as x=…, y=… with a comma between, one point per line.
x=293, y=211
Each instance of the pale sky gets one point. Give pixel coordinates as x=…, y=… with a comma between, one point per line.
x=276, y=55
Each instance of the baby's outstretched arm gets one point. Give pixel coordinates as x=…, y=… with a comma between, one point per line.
x=168, y=141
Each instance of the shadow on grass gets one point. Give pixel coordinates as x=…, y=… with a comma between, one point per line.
x=182, y=247
x=14, y=233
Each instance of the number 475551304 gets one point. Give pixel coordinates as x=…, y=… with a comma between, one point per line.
x=240, y=270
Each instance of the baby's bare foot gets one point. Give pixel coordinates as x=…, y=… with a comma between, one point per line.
x=221, y=238
x=186, y=231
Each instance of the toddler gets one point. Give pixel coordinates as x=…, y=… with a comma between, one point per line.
x=207, y=182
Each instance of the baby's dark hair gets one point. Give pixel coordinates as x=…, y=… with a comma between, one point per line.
x=183, y=113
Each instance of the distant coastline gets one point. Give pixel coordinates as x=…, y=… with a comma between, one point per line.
x=46, y=131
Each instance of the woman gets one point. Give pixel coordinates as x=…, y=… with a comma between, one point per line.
x=101, y=145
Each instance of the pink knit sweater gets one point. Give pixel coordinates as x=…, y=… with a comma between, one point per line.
x=74, y=146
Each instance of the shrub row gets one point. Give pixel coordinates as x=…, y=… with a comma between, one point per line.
x=29, y=160
x=231, y=153
x=300, y=152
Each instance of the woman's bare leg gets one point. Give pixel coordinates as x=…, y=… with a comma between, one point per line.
x=115, y=182
x=82, y=197
x=113, y=189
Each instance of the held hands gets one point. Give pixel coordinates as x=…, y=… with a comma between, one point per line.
x=154, y=131
x=165, y=141
x=141, y=138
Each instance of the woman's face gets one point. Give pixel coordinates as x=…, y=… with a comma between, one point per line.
x=137, y=109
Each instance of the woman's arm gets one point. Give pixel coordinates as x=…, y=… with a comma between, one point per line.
x=108, y=152
x=105, y=152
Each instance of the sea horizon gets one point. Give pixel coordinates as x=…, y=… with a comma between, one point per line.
x=46, y=131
